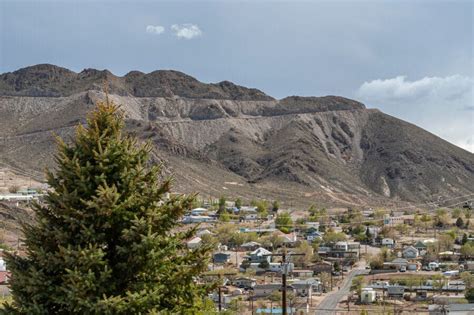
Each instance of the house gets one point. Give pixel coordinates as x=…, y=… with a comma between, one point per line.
x=322, y=266
x=433, y=265
x=278, y=267
x=395, y=291
x=197, y=219
x=3, y=266
x=198, y=211
x=306, y=287
x=392, y=220
x=341, y=246
x=221, y=257
x=302, y=273
x=193, y=243
x=259, y=255
x=288, y=239
x=202, y=232
x=250, y=246
x=263, y=290
x=244, y=282
x=420, y=245
x=313, y=235
x=397, y=263
x=410, y=252
x=367, y=295
x=250, y=217
x=348, y=250
x=389, y=242
x=313, y=225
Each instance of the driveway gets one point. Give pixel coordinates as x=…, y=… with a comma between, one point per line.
x=329, y=304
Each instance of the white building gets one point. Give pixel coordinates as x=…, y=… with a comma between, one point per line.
x=367, y=295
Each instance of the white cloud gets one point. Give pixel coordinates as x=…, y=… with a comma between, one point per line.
x=454, y=87
x=442, y=105
x=186, y=31
x=155, y=29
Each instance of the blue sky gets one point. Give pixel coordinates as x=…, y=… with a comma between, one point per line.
x=411, y=59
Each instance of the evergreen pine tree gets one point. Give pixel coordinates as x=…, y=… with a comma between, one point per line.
x=104, y=241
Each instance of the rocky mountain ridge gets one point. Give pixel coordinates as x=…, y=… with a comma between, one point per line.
x=224, y=139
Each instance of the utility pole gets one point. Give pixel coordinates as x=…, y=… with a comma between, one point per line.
x=284, y=270
x=219, y=290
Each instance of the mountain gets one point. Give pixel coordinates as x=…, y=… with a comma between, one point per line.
x=225, y=139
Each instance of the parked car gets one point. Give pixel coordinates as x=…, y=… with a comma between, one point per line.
x=403, y=269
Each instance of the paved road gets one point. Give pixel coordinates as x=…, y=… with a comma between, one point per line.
x=329, y=304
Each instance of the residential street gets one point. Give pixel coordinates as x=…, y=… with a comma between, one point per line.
x=330, y=302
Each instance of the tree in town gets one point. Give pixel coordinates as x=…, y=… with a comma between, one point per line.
x=331, y=237
x=468, y=279
x=368, y=235
x=262, y=206
x=439, y=282
x=325, y=279
x=283, y=222
x=222, y=203
x=464, y=239
x=238, y=203
x=469, y=295
x=13, y=189
x=456, y=213
x=224, y=232
x=425, y=221
x=224, y=216
x=445, y=242
x=102, y=241
x=467, y=250
x=356, y=284
x=273, y=240
x=275, y=206
x=306, y=249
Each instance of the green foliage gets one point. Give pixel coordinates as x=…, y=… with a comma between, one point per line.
x=332, y=237
x=222, y=203
x=262, y=206
x=357, y=283
x=469, y=295
x=102, y=241
x=468, y=279
x=238, y=203
x=283, y=222
x=275, y=206
x=467, y=250
x=224, y=216
x=460, y=222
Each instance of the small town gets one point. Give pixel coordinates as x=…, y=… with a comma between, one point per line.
x=325, y=261
x=235, y=157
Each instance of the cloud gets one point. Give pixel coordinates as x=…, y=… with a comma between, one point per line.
x=155, y=29
x=186, y=31
x=456, y=87
x=442, y=105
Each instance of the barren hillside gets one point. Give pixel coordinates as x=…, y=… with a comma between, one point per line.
x=224, y=139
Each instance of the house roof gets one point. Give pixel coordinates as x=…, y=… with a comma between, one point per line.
x=250, y=244
x=399, y=261
x=195, y=240
x=410, y=248
x=260, y=252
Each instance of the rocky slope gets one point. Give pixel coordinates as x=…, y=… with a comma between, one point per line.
x=227, y=139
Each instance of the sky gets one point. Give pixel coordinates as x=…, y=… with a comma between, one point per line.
x=410, y=59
